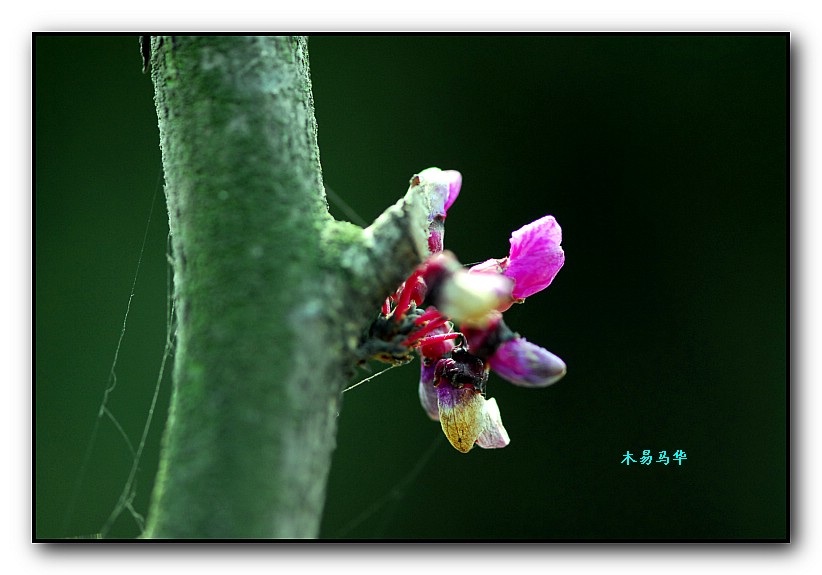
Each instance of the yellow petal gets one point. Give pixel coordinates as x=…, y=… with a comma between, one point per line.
x=461, y=415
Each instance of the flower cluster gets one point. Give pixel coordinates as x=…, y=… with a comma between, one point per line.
x=441, y=294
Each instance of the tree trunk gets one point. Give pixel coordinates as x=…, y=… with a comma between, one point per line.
x=271, y=293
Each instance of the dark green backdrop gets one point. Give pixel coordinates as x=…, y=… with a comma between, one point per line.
x=664, y=159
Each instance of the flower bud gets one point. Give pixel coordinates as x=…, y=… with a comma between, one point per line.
x=442, y=188
x=470, y=298
x=524, y=363
x=464, y=297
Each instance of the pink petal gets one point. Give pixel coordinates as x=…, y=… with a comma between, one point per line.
x=524, y=363
x=536, y=256
x=493, y=434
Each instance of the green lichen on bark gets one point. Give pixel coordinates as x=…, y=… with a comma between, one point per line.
x=270, y=291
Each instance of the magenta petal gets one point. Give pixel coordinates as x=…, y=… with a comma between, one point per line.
x=536, y=256
x=524, y=363
x=454, y=179
x=427, y=391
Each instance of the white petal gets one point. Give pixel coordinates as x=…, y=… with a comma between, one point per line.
x=493, y=434
x=469, y=297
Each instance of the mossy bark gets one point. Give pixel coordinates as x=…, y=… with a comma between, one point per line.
x=271, y=293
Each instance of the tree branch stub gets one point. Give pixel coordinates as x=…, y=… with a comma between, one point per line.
x=270, y=291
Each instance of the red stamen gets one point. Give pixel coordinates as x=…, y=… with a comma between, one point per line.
x=441, y=337
x=386, y=306
x=429, y=314
x=423, y=331
x=418, y=293
x=405, y=296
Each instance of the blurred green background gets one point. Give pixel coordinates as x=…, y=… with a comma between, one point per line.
x=664, y=159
